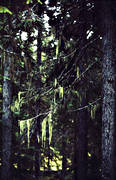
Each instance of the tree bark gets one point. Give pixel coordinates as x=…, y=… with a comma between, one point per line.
x=7, y=118
x=108, y=104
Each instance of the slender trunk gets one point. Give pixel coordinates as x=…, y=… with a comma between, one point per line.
x=75, y=151
x=108, y=104
x=64, y=160
x=48, y=146
x=82, y=143
x=7, y=118
x=83, y=114
x=38, y=129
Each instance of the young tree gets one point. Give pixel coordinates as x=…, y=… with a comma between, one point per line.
x=38, y=129
x=83, y=114
x=108, y=104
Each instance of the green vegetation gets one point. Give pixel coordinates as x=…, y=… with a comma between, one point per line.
x=57, y=90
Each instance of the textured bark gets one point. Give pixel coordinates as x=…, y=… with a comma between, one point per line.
x=108, y=106
x=7, y=119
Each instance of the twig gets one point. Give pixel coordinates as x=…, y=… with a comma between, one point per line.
x=85, y=107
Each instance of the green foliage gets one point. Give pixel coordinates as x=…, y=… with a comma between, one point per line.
x=39, y=1
x=5, y=10
x=52, y=83
x=31, y=1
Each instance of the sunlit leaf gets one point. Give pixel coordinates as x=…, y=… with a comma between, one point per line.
x=89, y=154
x=29, y=1
x=70, y=104
x=39, y=1
x=6, y=78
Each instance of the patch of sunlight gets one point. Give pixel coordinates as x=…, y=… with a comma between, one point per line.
x=15, y=165
x=55, y=163
x=89, y=154
x=43, y=56
x=53, y=166
x=0, y=89
x=68, y=161
x=41, y=168
x=24, y=36
x=22, y=155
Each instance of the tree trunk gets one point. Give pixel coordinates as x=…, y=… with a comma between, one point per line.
x=64, y=160
x=83, y=114
x=38, y=128
x=75, y=160
x=82, y=143
x=108, y=104
x=7, y=118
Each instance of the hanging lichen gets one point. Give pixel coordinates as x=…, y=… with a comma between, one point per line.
x=15, y=107
x=50, y=127
x=77, y=72
x=28, y=133
x=25, y=126
x=55, y=82
x=93, y=111
x=44, y=126
x=61, y=92
x=54, y=97
x=57, y=46
x=44, y=131
x=22, y=125
x=38, y=138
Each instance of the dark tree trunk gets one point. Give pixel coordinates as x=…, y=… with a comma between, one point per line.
x=38, y=128
x=82, y=142
x=108, y=104
x=75, y=165
x=64, y=160
x=83, y=114
x=48, y=146
x=7, y=118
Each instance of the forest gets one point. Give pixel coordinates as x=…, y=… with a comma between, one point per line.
x=57, y=89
